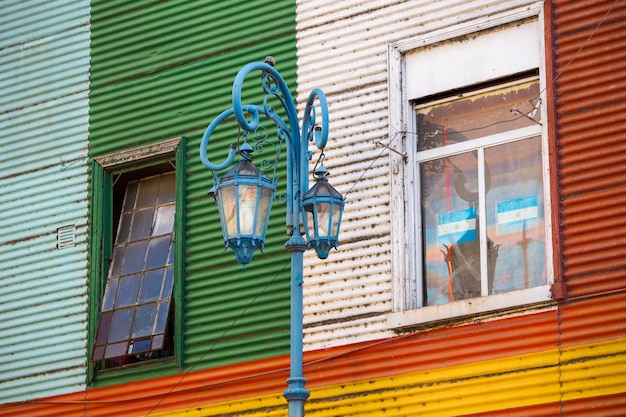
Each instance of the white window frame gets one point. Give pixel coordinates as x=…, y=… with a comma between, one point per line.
x=406, y=58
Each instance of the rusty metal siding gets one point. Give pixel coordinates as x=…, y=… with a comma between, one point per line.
x=590, y=71
x=44, y=81
x=342, y=48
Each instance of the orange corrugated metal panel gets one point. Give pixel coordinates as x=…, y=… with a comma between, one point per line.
x=590, y=68
x=433, y=350
x=349, y=363
x=539, y=410
x=593, y=320
x=157, y=395
x=605, y=406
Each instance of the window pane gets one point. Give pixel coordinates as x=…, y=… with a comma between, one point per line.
x=477, y=115
x=139, y=346
x=124, y=228
x=130, y=195
x=167, y=192
x=157, y=342
x=120, y=325
x=515, y=217
x=116, y=262
x=127, y=292
x=142, y=224
x=161, y=319
x=109, y=294
x=135, y=257
x=151, y=286
x=144, y=320
x=116, y=350
x=164, y=222
x=449, y=189
x=168, y=283
x=98, y=353
x=157, y=252
x=148, y=191
x=170, y=258
x=103, y=327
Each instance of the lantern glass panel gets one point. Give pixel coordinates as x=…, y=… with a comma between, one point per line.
x=228, y=206
x=247, y=208
x=310, y=223
x=335, y=219
x=264, y=208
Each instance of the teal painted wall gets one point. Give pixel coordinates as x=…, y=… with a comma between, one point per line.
x=44, y=99
x=164, y=69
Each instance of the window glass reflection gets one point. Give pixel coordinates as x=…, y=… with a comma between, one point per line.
x=452, y=187
x=141, y=275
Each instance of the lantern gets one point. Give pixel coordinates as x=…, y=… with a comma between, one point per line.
x=322, y=208
x=244, y=198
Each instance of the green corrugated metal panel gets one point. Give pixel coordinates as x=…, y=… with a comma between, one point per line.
x=163, y=70
x=44, y=56
x=157, y=34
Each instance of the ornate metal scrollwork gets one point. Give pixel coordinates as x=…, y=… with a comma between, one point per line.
x=297, y=140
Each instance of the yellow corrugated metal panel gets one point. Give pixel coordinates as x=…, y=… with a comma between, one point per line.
x=541, y=378
x=593, y=370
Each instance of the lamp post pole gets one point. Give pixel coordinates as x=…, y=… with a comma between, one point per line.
x=303, y=207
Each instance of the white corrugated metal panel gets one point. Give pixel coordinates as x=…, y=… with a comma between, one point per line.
x=44, y=81
x=342, y=49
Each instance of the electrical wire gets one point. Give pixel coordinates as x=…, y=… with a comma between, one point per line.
x=230, y=327
x=397, y=133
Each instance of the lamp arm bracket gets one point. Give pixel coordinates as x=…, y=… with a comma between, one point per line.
x=309, y=129
x=205, y=142
x=273, y=84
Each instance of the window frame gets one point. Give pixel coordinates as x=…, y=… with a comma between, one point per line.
x=104, y=169
x=408, y=311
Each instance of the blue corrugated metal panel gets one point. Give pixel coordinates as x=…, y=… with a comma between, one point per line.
x=44, y=68
x=24, y=21
x=44, y=81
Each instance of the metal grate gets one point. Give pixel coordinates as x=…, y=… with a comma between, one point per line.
x=66, y=236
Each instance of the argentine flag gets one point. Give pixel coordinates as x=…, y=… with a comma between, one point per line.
x=456, y=226
x=516, y=215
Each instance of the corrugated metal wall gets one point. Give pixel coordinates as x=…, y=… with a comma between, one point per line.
x=165, y=69
x=589, y=39
x=342, y=48
x=520, y=366
x=44, y=70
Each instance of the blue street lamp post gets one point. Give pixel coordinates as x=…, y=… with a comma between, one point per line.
x=244, y=194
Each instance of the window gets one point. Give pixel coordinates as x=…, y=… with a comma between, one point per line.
x=138, y=268
x=473, y=217
x=481, y=193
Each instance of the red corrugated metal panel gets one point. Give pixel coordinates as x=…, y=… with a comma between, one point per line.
x=590, y=68
x=593, y=320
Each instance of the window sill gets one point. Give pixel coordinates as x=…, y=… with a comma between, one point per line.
x=514, y=301
x=135, y=372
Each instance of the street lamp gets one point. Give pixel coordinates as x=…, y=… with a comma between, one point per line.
x=244, y=194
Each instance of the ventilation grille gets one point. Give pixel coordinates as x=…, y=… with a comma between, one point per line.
x=66, y=236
